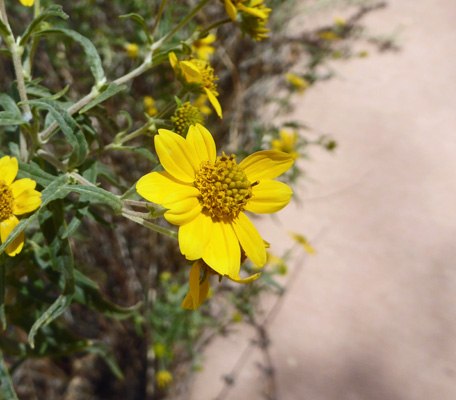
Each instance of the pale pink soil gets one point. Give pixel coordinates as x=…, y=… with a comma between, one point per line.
x=373, y=314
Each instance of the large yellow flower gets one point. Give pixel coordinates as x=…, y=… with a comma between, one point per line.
x=206, y=196
x=195, y=71
x=16, y=198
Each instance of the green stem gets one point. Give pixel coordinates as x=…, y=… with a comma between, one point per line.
x=213, y=26
x=150, y=225
x=158, y=17
x=180, y=25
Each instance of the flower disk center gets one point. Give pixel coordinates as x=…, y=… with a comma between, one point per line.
x=224, y=187
x=207, y=73
x=6, y=202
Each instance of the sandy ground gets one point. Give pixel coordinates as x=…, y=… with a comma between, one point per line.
x=373, y=314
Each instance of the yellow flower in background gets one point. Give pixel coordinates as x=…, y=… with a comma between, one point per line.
x=255, y=8
x=279, y=264
x=199, y=72
x=159, y=350
x=199, y=284
x=132, y=50
x=149, y=105
x=27, y=3
x=16, y=198
x=201, y=103
x=329, y=36
x=303, y=242
x=163, y=378
x=203, y=48
x=287, y=143
x=206, y=196
x=300, y=84
x=339, y=21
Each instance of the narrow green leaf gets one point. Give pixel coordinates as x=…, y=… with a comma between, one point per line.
x=52, y=11
x=54, y=191
x=105, y=353
x=4, y=29
x=62, y=261
x=141, y=22
x=99, y=195
x=92, y=56
x=70, y=129
x=139, y=150
x=9, y=104
x=33, y=171
x=7, y=391
x=108, y=92
x=10, y=118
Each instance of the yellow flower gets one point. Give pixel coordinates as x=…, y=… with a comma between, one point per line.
x=149, y=105
x=27, y=3
x=339, y=21
x=329, y=36
x=202, y=47
x=132, y=50
x=199, y=284
x=199, y=72
x=16, y=198
x=164, y=378
x=303, y=242
x=159, y=350
x=278, y=263
x=185, y=116
x=296, y=82
x=286, y=143
x=206, y=195
x=201, y=103
x=255, y=8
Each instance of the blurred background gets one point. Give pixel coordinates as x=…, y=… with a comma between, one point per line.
x=356, y=301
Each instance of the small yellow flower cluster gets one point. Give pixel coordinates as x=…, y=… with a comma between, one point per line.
x=132, y=50
x=287, y=143
x=203, y=48
x=300, y=239
x=254, y=16
x=164, y=378
x=185, y=116
x=296, y=82
x=149, y=106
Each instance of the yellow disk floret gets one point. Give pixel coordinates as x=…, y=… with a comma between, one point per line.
x=185, y=116
x=6, y=202
x=224, y=187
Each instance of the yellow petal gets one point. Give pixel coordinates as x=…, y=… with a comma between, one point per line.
x=156, y=186
x=194, y=236
x=183, y=211
x=193, y=282
x=230, y=9
x=8, y=169
x=21, y=185
x=267, y=164
x=173, y=61
x=203, y=291
x=6, y=227
x=252, y=11
x=176, y=156
x=27, y=3
x=187, y=303
x=201, y=140
x=223, y=253
x=250, y=240
x=245, y=280
x=27, y=201
x=269, y=197
x=190, y=72
x=215, y=103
